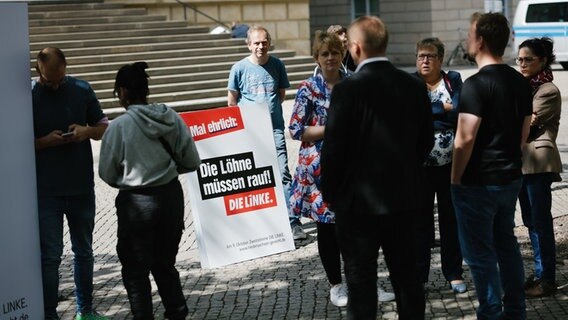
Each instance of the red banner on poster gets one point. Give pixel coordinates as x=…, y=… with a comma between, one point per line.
x=206, y=124
x=250, y=201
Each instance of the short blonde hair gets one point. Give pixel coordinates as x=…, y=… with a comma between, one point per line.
x=255, y=28
x=374, y=32
x=332, y=41
x=337, y=29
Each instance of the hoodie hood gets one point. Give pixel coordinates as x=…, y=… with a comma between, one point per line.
x=154, y=120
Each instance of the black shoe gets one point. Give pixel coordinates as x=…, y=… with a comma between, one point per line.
x=531, y=282
x=543, y=289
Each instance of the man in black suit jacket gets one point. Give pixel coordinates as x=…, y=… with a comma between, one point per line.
x=378, y=134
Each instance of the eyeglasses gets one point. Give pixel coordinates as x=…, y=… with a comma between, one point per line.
x=422, y=57
x=522, y=60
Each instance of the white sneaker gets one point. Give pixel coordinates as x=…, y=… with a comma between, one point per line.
x=338, y=295
x=385, y=296
x=298, y=233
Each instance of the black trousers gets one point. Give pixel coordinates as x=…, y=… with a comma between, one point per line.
x=329, y=253
x=360, y=238
x=150, y=225
x=438, y=183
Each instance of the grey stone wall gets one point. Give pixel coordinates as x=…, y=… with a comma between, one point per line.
x=324, y=13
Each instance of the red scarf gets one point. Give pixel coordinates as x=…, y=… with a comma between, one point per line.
x=542, y=77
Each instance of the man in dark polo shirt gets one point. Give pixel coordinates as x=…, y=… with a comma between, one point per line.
x=493, y=123
x=67, y=115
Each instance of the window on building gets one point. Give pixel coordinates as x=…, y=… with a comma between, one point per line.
x=365, y=7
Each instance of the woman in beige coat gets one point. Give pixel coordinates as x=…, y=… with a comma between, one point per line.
x=541, y=163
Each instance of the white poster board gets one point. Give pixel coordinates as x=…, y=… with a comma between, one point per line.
x=237, y=202
x=20, y=266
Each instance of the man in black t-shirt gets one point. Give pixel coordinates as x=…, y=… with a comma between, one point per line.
x=493, y=124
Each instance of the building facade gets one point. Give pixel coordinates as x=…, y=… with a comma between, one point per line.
x=409, y=20
x=292, y=23
x=288, y=21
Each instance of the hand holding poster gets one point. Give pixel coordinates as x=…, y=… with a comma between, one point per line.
x=236, y=195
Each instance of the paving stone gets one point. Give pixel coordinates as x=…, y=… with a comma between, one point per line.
x=290, y=285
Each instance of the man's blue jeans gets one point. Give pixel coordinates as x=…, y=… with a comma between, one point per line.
x=485, y=216
x=535, y=199
x=282, y=155
x=80, y=213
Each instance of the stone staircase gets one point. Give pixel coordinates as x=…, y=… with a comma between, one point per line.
x=188, y=67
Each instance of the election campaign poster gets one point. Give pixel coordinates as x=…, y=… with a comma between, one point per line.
x=20, y=266
x=236, y=195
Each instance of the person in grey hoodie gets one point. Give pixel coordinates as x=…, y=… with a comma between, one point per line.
x=142, y=153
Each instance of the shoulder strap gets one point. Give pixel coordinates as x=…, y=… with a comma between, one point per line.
x=446, y=78
x=168, y=148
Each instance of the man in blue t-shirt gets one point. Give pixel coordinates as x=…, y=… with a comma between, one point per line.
x=67, y=115
x=493, y=126
x=261, y=78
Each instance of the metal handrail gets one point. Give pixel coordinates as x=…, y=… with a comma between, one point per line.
x=192, y=7
x=57, y=1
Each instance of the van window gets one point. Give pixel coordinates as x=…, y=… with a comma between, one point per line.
x=548, y=12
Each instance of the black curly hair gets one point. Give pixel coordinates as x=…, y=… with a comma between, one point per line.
x=542, y=48
x=133, y=77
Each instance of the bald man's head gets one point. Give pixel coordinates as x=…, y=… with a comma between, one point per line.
x=371, y=33
x=51, y=66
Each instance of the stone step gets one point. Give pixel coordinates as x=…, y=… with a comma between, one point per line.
x=94, y=20
x=189, y=67
x=185, y=95
x=295, y=72
x=172, y=88
x=293, y=64
x=99, y=5
x=169, y=85
x=65, y=45
x=196, y=63
x=150, y=49
x=152, y=55
x=197, y=104
x=189, y=105
x=85, y=13
x=179, y=106
x=166, y=79
x=111, y=27
x=112, y=34
x=172, y=97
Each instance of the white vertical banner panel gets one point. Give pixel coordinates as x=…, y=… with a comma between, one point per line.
x=20, y=266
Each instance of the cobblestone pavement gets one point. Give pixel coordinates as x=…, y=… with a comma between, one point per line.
x=290, y=285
